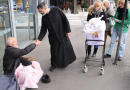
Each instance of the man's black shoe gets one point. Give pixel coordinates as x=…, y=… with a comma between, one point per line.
x=107, y=56
x=119, y=58
x=94, y=55
x=52, y=68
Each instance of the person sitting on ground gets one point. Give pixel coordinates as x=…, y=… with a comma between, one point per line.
x=13, y=55
x=116, y=29
x=96, y=10
x=13, y=58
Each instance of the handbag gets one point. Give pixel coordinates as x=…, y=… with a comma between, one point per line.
x=112, y=22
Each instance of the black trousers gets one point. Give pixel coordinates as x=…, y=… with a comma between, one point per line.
x=95, y=49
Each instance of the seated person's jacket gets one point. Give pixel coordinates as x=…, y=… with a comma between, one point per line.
x=13, y=57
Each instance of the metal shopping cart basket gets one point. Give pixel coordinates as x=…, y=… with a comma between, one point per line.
x=95, y=36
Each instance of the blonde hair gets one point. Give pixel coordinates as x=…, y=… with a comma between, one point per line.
x=98, y=3
x=123, y=1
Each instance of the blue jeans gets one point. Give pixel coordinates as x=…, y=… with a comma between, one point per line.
x=115, y=34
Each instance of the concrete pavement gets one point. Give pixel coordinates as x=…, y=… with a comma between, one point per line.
x=73, y=77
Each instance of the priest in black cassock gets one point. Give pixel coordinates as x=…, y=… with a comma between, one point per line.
x=55, y=21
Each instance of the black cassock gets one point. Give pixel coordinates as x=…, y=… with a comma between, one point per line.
x=62, y=53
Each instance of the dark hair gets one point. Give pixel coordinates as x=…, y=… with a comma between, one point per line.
x=41, y=5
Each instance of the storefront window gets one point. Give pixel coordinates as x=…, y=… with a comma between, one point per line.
x=24, y=21
x=83, y=4
x=63, y=4
x=5, y=31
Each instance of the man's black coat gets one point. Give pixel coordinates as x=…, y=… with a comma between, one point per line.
x=56, y=22
x=13, y=57
x=59, y=22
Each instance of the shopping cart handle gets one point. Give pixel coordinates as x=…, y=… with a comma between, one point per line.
x=94, y=40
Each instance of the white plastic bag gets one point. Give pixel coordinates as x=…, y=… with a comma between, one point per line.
x=95, y=32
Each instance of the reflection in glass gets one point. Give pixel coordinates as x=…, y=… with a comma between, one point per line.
x=24, y=22
x=63, y=4
x=5, y=31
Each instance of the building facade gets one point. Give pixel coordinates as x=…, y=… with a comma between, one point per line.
x=65, y=4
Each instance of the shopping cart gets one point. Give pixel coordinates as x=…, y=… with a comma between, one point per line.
x=93, y=38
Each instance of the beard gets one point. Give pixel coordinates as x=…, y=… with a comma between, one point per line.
x=44, y=13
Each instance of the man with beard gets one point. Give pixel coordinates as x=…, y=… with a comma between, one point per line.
x=55, y=21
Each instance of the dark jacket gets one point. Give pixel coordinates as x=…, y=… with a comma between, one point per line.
x=59, y=22
x=13, y=57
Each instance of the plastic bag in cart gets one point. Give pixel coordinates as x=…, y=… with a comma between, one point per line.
x=95, y=32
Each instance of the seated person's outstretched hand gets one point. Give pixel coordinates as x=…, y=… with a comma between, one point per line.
x=37, y=42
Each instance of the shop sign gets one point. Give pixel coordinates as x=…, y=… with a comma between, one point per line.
x=27, y=4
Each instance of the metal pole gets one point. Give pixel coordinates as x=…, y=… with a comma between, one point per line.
x=120, y=36
x=12, y=19
x=75, y=6
x=35, y=26
x=35, y=13
x=29, y=27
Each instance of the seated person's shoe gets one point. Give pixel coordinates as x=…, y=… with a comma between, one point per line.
x=52, y=68
x=119, y=58
x=107, y=56
x=94, y=55
x=88, y=56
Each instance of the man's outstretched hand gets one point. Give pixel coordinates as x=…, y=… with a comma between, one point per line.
x=38, y=42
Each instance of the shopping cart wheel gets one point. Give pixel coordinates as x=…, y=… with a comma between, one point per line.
x=85, y=69
x=102, y=71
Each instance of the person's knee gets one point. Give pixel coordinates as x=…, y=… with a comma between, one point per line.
x=113, y=40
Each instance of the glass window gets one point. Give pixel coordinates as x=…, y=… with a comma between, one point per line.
x=63, y=4
x=24, y=22
x=5, y=31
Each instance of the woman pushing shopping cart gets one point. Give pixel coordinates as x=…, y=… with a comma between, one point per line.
x=95, y=30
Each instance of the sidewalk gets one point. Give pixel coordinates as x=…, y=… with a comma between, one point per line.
x=73, y=77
